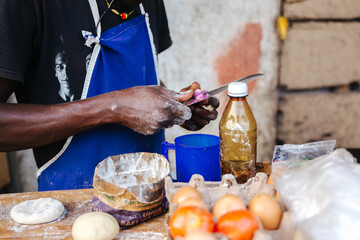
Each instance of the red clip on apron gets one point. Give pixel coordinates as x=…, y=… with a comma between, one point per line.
x=123, y=57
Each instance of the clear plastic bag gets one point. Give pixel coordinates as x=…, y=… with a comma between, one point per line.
x=322, y=195
x=305, y=151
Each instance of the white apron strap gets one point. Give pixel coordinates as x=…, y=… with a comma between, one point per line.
x=96, y=50
x=152, y=42
x=46, y=165
x=142, y=9
x=96, y=16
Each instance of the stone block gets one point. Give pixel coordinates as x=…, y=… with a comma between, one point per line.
x=316, y=55
x=313, y=116
x=322, y=9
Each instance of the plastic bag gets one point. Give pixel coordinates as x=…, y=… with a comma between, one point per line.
x=322, y=195
x=305, y=151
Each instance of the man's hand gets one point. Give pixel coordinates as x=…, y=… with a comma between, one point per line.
x=147, y=109
x=202, y=112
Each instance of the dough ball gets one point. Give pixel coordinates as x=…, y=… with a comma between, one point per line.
x=95, y=226
x=37, y=211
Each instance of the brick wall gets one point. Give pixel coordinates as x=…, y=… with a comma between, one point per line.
x=322, y=9
x=320, y=73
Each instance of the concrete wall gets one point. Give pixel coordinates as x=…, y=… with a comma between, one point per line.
x=218, y=41
x=23, y=172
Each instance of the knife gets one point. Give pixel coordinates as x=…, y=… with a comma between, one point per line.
x=223, y=88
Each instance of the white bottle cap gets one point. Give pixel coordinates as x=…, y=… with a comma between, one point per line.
x=237, y=89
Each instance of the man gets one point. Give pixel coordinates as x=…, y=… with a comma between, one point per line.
x=118, y=106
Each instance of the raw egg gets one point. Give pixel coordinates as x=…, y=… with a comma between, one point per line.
x=267, y=209
x=195, y=202
x=184, y=193
x=226, y=204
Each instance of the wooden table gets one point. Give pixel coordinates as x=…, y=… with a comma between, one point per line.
x=76, y=202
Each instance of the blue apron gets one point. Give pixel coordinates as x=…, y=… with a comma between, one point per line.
x=123, y=57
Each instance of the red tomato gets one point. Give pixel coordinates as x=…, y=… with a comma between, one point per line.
x=238, y=225
x=186, y=219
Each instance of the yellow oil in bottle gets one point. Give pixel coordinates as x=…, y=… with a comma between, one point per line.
x=238, y=135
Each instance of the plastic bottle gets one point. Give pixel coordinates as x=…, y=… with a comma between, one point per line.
x=238, y=135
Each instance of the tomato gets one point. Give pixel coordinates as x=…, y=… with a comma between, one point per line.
x=238, y=225
x=190, y=218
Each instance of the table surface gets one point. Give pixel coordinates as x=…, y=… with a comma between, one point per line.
x=76, y=202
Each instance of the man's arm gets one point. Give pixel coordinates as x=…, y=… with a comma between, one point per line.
x=145, y=109
x=26, y=126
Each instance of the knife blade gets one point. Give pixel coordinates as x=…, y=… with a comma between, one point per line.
x=223, y=88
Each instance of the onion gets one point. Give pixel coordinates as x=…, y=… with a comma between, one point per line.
x=199, y=95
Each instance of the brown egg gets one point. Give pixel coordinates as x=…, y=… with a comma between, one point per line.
x=199, y=235
x=267, y=209
x=226, y=204
x=194, y=202
x=184, y=193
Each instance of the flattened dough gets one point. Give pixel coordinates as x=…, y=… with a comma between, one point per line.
x=37, y=211
x=95, y=226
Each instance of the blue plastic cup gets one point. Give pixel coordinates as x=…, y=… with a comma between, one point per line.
x=195, y=154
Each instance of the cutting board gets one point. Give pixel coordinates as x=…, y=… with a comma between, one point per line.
x=76, y=202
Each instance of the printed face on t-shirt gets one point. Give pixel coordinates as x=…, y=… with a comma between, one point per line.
x=61, y=75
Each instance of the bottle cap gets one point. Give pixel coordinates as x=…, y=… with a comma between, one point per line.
x=237, y=89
